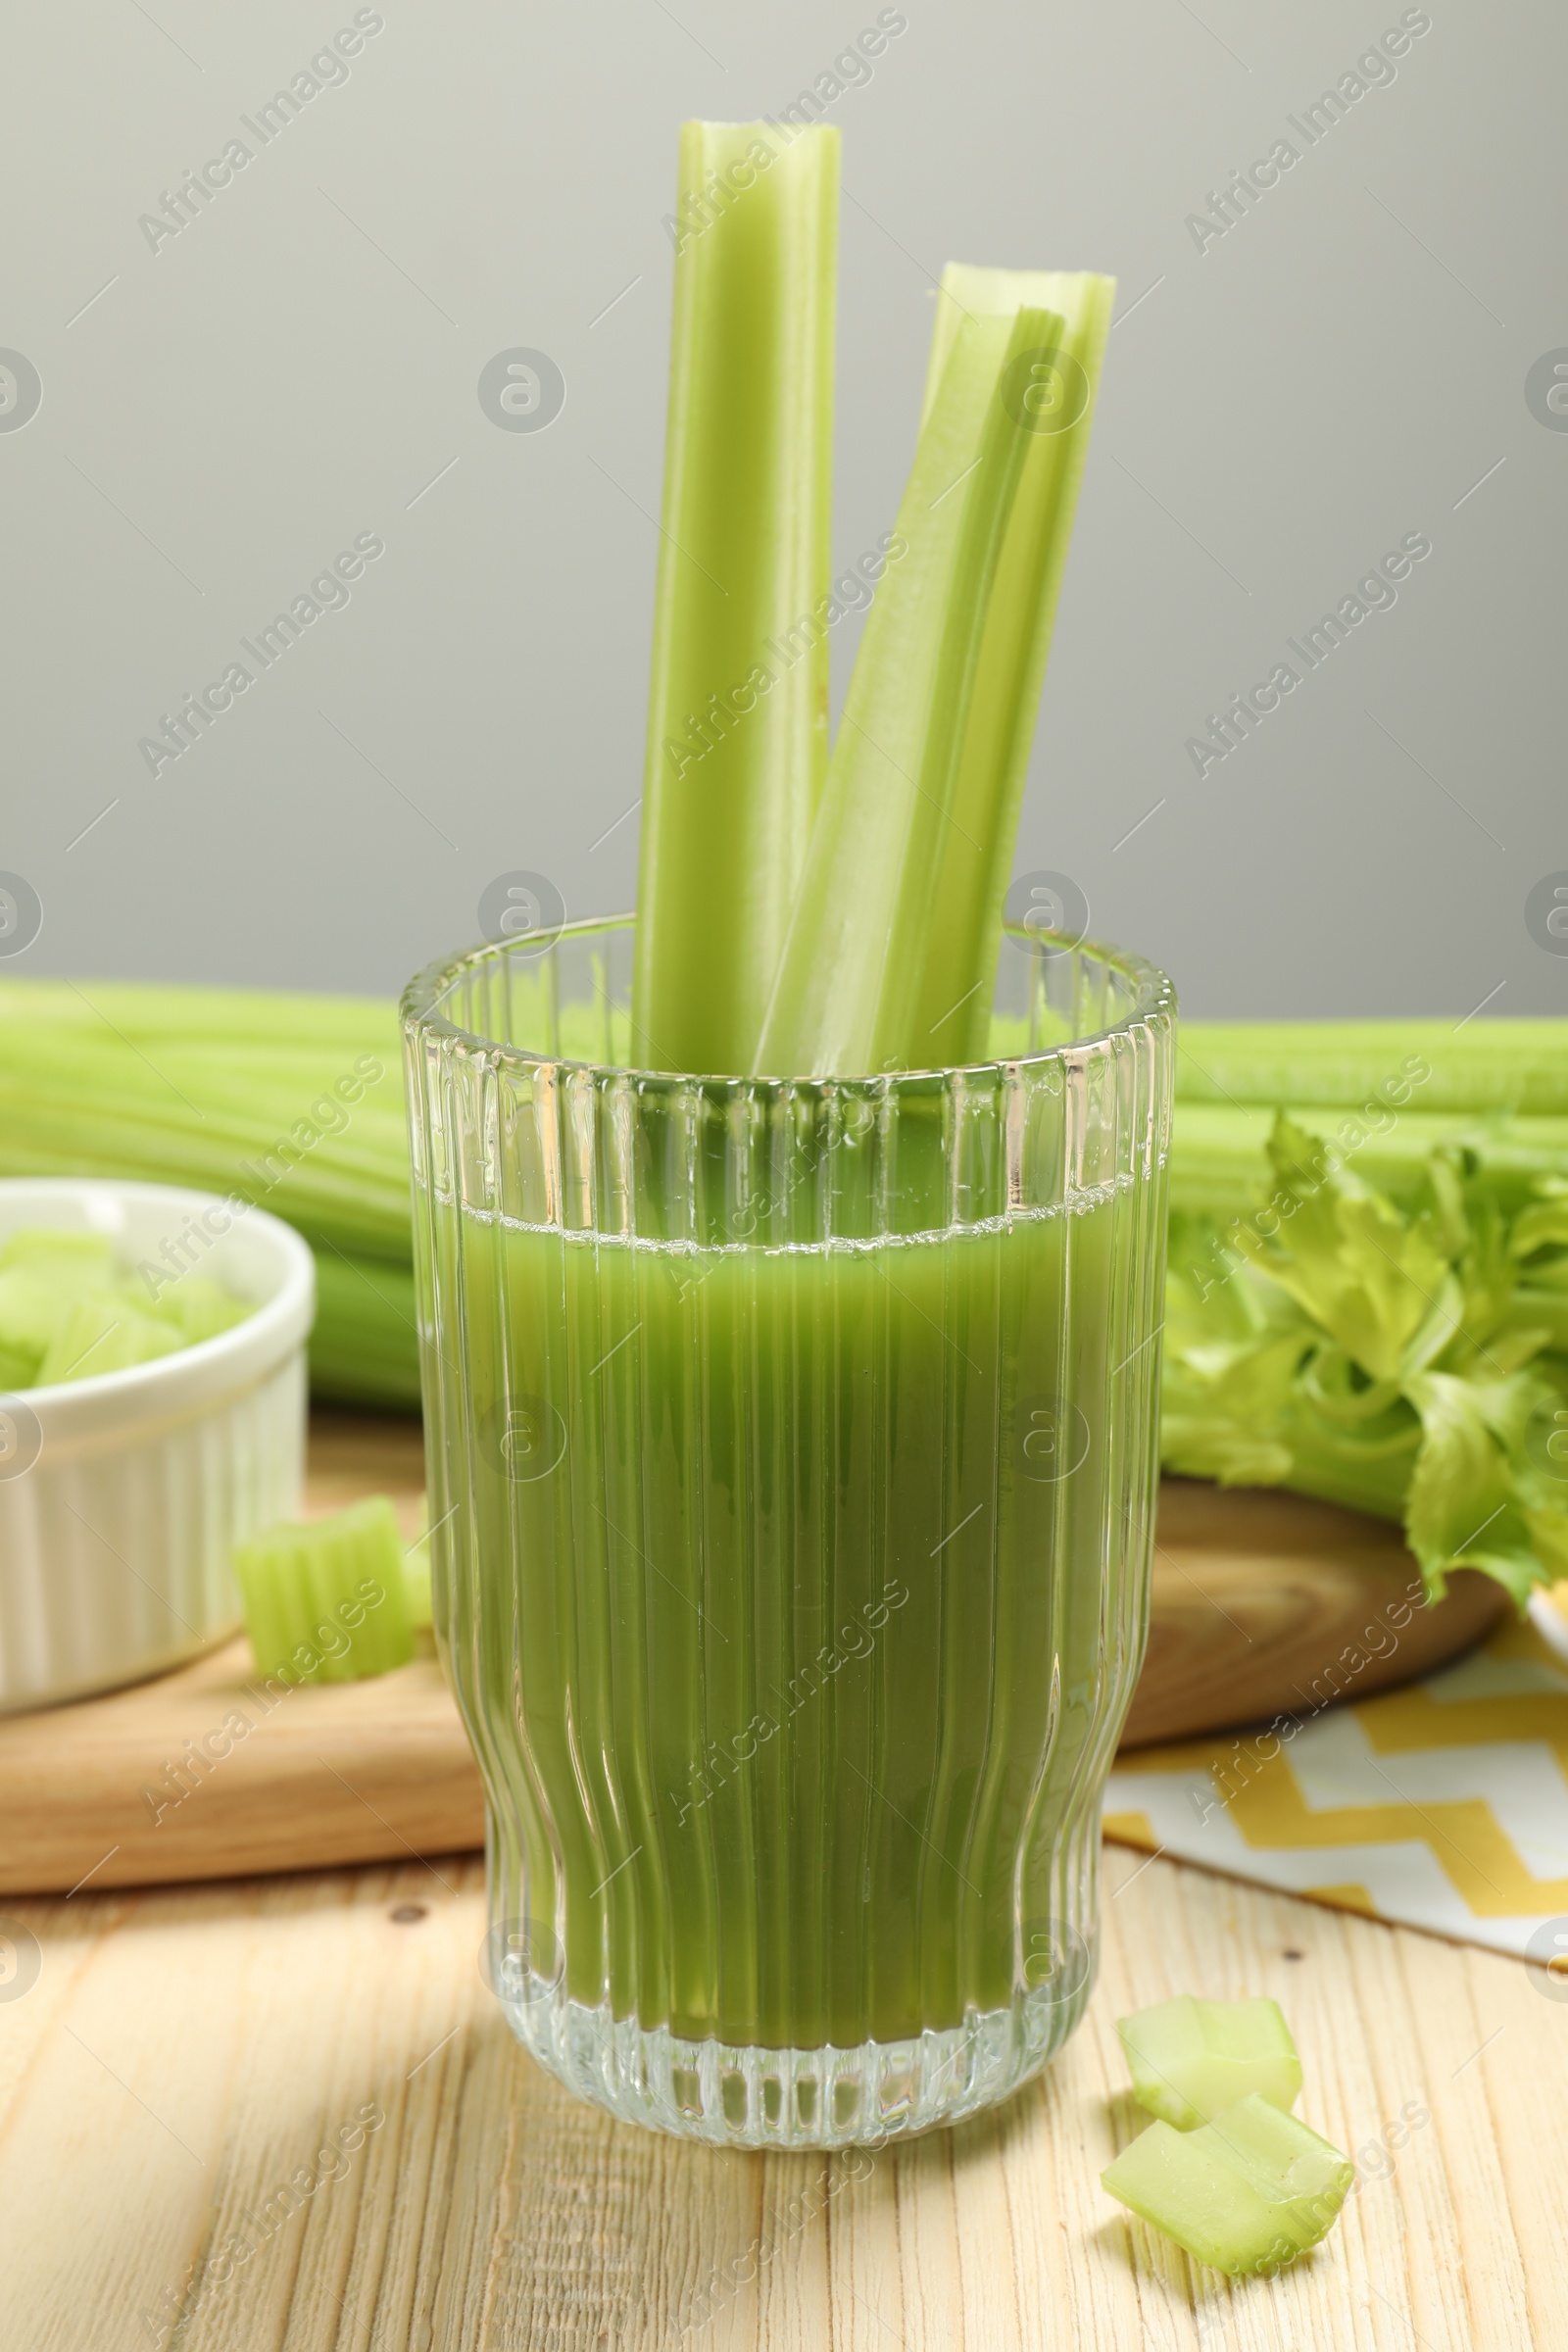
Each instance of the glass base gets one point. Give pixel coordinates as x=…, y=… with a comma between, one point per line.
x=748, y=2097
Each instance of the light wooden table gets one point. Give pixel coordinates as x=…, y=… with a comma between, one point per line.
x=184, y=2055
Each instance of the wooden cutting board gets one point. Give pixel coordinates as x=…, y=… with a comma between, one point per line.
x=1262, y=1604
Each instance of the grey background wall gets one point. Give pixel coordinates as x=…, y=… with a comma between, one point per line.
x=226, y=408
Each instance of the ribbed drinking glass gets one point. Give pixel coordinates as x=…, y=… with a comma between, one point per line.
x=792, y=1461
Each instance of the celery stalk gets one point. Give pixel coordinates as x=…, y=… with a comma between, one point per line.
x=892, y=940
x=365, y=1349
x=836, y=1006
x=737, y=720
x=295, y=1102
x=954, y=1011
x=1510, y=1067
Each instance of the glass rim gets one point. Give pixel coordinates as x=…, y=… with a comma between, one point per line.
x=418, y=1011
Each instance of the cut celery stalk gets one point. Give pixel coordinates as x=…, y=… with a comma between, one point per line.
x=200, y=1307
x=1246, y=2193
x=737, y=720
x=1192, y=2059
x=104, y=1333
x=63, y=1316
x=891, y=945
x=38, y=1287
x=953, y=1014
x=32, y=1308
x=851, y=963
x=327, y=1600
x=60, y=1251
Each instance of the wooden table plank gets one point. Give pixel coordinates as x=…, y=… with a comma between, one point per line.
x=169, y=2081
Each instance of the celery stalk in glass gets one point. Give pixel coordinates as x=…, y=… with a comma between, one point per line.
x=1052, y=394
x=737, y=722
x=922, y=789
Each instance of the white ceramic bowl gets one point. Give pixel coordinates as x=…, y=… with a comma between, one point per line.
x=121, y=1497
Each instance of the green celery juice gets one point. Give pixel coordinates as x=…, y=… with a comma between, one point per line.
x=796, y=1599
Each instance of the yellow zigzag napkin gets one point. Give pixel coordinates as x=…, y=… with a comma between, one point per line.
x=1443, y=1806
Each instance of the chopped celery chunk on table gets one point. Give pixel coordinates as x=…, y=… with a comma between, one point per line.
x=1244, y=2193
x=327, y=1600
x=1192, y=2059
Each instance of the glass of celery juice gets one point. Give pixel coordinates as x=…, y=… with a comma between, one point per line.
x=792, y=1457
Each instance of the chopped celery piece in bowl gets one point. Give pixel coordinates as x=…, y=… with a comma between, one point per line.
x=68, y=1311
x=201, y=1307
x=32, y=1311
x=1192, y=2059
x=103, y=1333
x=89, y=1255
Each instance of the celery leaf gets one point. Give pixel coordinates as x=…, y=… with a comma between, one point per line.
x=1402, y=1358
